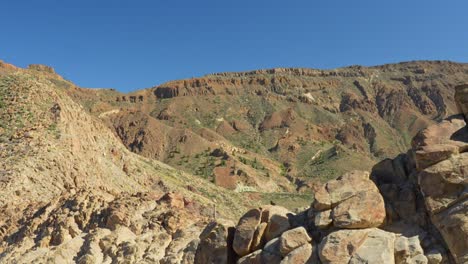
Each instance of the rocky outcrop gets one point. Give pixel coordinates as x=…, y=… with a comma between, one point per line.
x=442, y=173
x=89, y=228
x=340, y=227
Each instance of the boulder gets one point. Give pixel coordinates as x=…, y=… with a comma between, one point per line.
x=323, y=219
x=277, y=218
x=355, y=202
x=358, y=246
x=245, y=231
x=452, y=223
x=293, y=239
x=304, y=254
x=271, y=253
x=445, y=183
x=215, y=244
x=259, y=237
x=252, y=258
x=365, y=209
x=440, y=141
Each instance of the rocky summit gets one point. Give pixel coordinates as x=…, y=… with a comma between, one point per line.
x=287, y=165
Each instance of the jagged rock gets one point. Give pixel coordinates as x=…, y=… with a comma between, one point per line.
x=293, y=239
x=215, y=244
x=245, y=231
x=358, y=246
x=304, y=254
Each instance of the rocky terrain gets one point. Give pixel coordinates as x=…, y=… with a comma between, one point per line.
x=411, y=209
x=181, y=172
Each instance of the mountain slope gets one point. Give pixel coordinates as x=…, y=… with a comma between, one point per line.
x=308, y=125
x=65, y=175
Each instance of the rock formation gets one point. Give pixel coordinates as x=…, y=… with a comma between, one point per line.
x=412, y=209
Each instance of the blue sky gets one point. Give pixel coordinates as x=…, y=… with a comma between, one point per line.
x=136, y=44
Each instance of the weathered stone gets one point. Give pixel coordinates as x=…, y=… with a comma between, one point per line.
x=270, y=253
x=277, y=218
x=323, y=219
x=445, y=183
x=358, y=246
x=434, y=257
x=453, y=225
x=252, y=258
x=408, y=250
x=304, y=254
x=322, y=199
x=245, y=231
x=364, y=210
x=215, y=244
x=259, y=237
x=440, y=141
x=293, y=239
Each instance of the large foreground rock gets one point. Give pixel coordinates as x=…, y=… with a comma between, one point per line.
x=358, y=246
x=245, y=231
x=215, y=244
x=354, y=200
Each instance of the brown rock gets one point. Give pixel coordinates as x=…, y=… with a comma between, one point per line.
x=408, y=250
x=304, y=254
x=364, y=210
x=277, y=219
x=245, y=231
x=440, y=141
x=358, y=246
x=215, y=244
x=252, y=258
x=323, y=219
x=270, y=253
x=259, y=237
x=293, y=239
x=445, y=183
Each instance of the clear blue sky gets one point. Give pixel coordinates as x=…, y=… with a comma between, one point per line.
x=137, y=44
